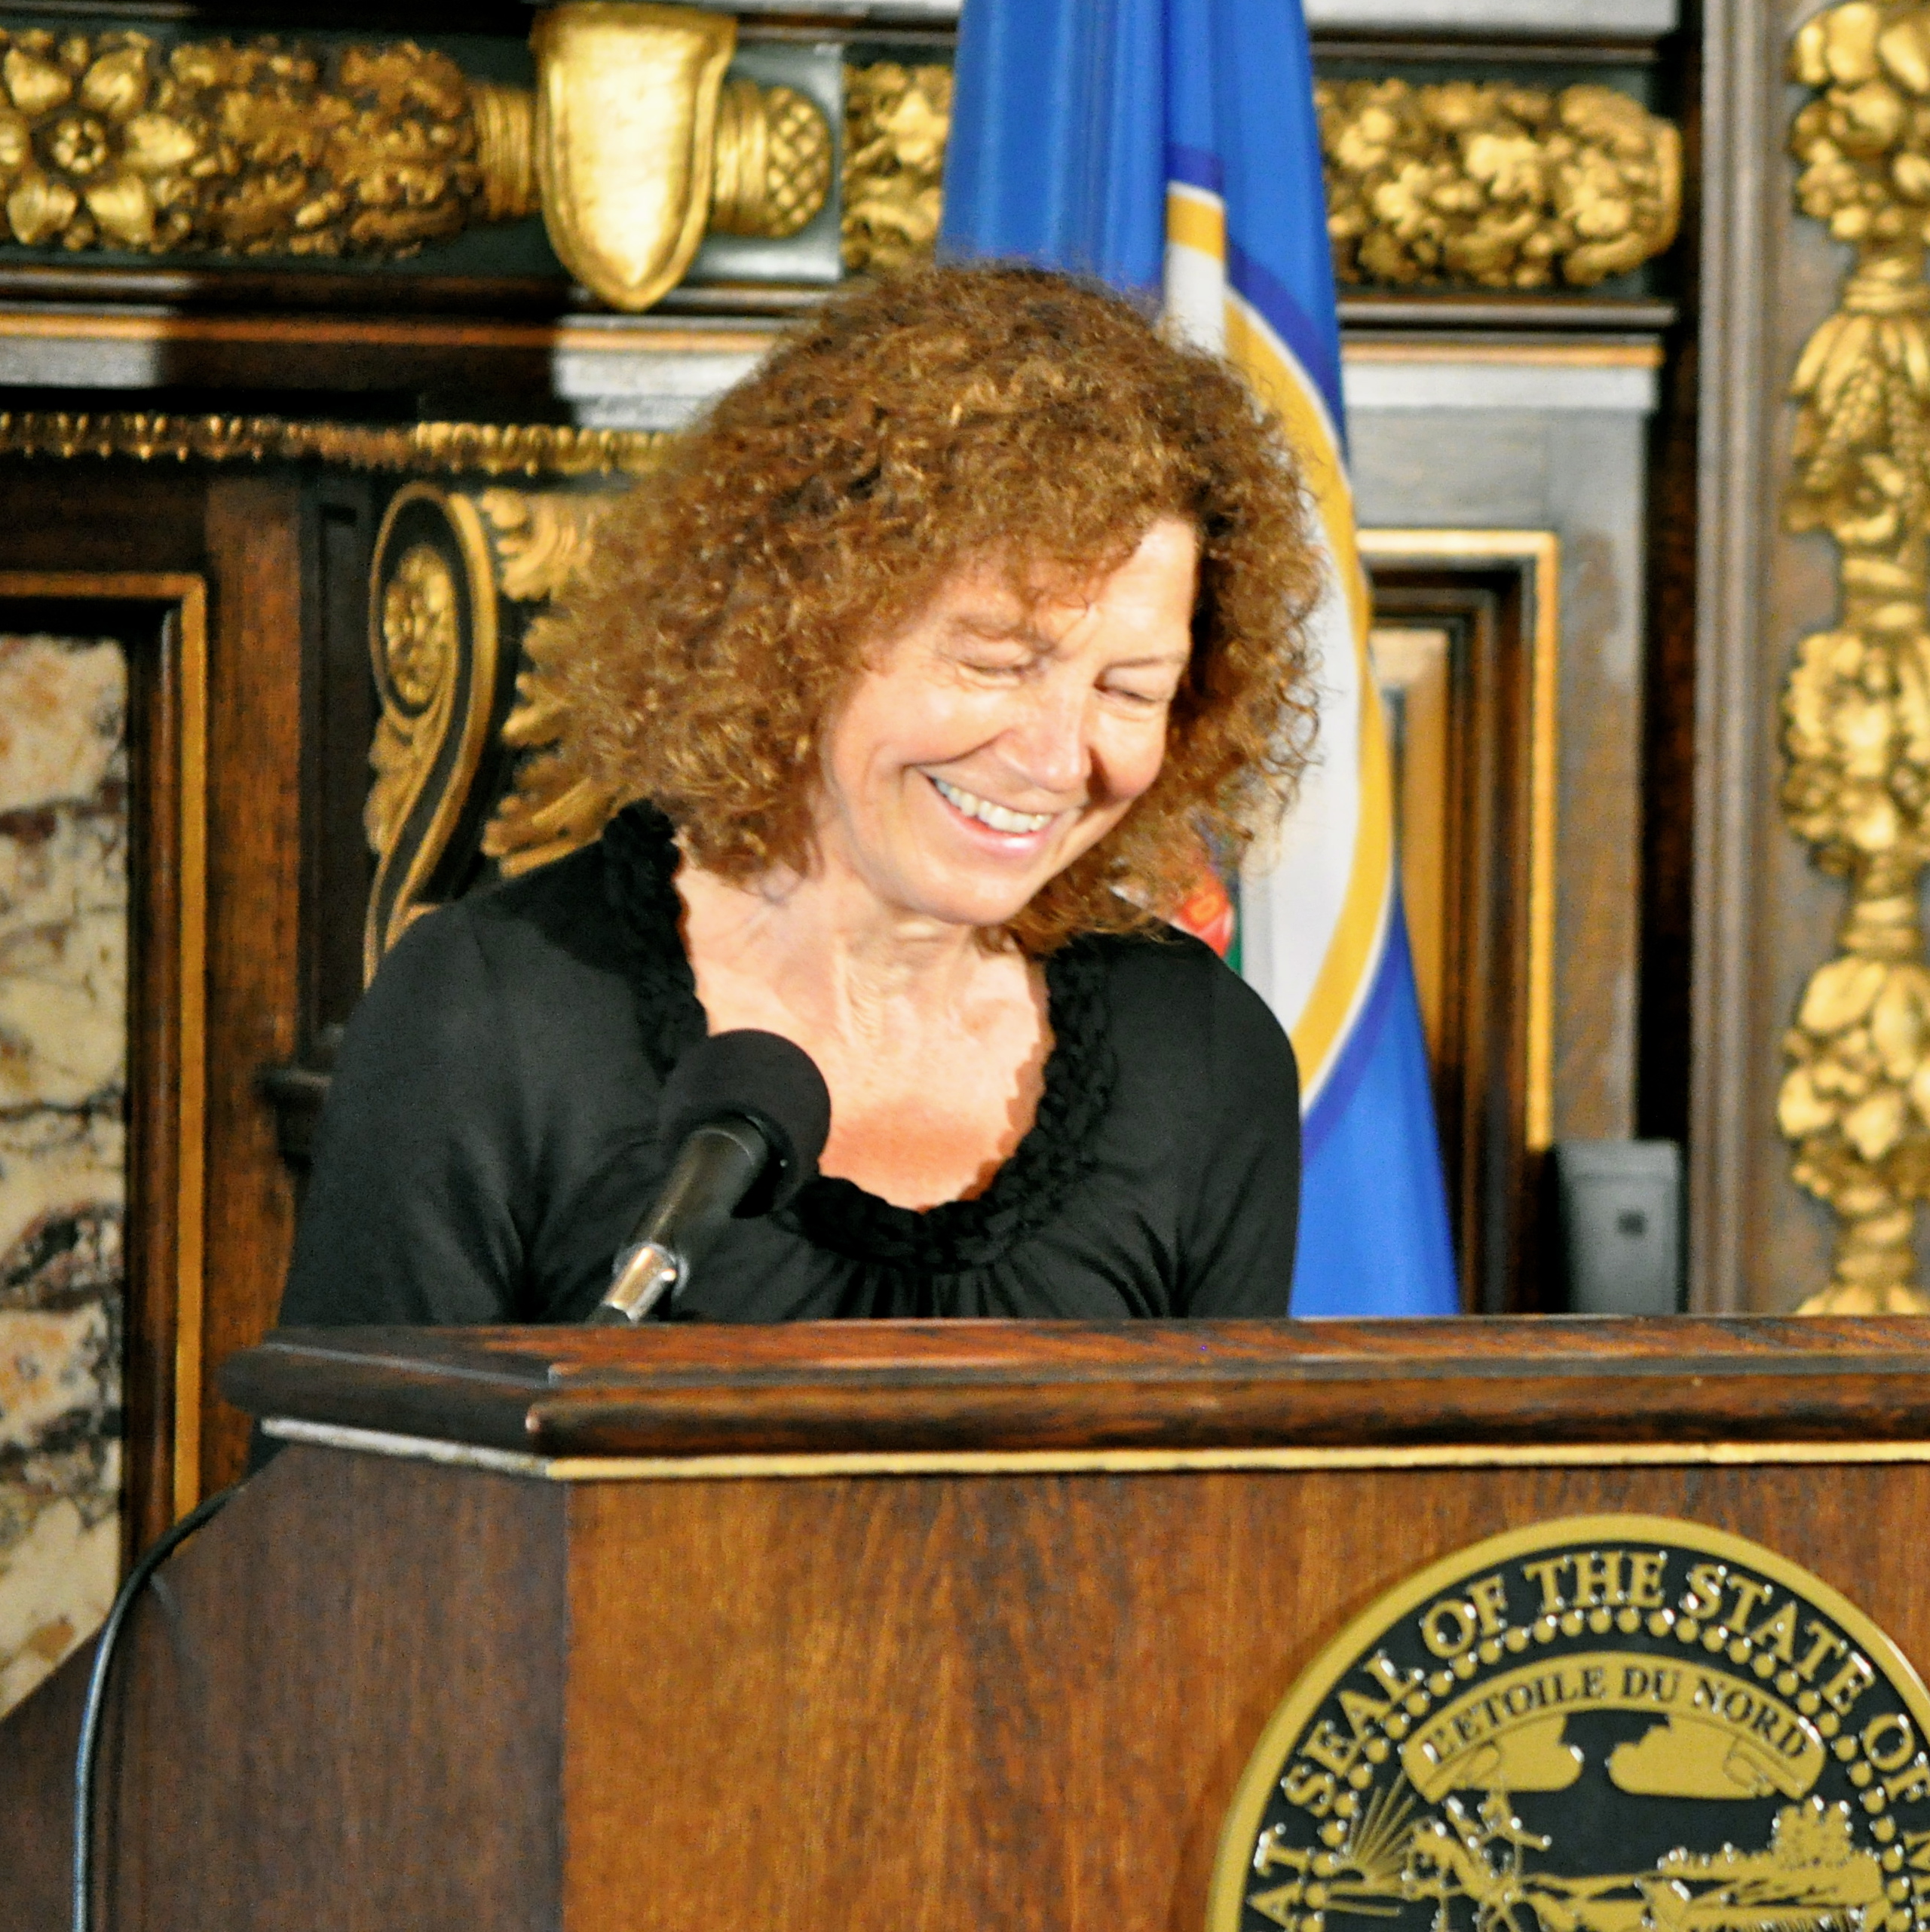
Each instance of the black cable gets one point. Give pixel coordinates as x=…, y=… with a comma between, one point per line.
x=86, y=1755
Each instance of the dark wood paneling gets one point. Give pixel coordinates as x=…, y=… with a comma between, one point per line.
x=382, y=1691
x=384, y=1694
x=254, y=554
x=155, y=1046
x=149, y=624
x=690, y=1389
x=244, y=535
x=1665, y=1033
x=37, y=1742
x=89, y=516
x=1753, y=1242
x=341, y=1706
x=339, y=726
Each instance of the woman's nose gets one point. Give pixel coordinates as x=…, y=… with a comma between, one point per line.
x=1050, y=742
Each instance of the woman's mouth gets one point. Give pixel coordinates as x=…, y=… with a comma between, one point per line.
x=999, y=818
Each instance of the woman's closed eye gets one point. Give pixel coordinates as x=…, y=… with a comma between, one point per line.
x=1141, y=694
x=1001, y=667
x=1148, y=700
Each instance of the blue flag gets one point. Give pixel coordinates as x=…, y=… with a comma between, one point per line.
x=1169, y=148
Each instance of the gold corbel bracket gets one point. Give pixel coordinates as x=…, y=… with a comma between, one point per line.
x=640, y=144
x=626, y=133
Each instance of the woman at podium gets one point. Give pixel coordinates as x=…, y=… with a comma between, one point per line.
x=940, y=659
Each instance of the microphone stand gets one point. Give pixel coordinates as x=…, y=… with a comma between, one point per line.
x=716, y=1168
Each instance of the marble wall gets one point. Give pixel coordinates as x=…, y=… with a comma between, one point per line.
x=63, y=1055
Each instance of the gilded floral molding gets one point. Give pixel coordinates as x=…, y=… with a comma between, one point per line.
x=111, y=140
x=421, y=448
x=1855, y=1101
x=108, y=140
x=1488, y=183
x=1503, y=186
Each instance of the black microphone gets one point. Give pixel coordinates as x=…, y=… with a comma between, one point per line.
x=747, y=1113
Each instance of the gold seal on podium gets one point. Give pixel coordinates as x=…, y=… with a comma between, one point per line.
x=1603, y=1724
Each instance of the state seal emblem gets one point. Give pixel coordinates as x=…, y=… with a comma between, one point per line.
x=1604, y=1724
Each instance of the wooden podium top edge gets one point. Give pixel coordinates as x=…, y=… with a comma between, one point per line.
x=952, y=1387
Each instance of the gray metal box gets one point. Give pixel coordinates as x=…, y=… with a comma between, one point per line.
x=1621, y=1212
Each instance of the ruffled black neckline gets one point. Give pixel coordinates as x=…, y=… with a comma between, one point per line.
x=640, y=859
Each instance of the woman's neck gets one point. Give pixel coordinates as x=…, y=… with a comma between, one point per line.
x=933, y=1046
x=828, y=950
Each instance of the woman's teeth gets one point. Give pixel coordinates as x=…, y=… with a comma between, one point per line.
x=996, y=816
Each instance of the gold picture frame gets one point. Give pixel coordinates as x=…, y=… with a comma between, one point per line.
x=1479, y=846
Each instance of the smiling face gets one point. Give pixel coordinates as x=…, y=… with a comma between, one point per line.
x=993, y=743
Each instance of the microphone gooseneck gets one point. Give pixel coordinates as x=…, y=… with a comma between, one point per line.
x=748, y=1113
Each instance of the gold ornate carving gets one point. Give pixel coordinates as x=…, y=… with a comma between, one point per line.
x=505, y=149
x=108, y=140
x=1504, y=186
x=417, y=639
x=433, y=642
x=435, y=448
x=1487, y=183
x=772, y=173
x=1855, y=1102
x=552, y=807
x=538, y=539
x=896, y=122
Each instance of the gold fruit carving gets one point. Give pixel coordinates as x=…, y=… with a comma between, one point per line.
x=772, y=173
x=896, y=122
x=1499, y=185
x=1855, y=1101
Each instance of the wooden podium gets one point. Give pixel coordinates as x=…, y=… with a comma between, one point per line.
x=867, y=1627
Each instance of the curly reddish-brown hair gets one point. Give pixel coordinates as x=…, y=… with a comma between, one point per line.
x=937, y=418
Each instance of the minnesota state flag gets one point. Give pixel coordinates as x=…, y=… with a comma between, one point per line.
x=1169, y=148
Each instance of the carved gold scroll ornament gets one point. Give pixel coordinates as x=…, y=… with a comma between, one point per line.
x=442, y=560
x=435, y=649
x=1855, y=1102
x=636, y=141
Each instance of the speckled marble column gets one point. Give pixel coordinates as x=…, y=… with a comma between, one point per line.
x=63, y=1058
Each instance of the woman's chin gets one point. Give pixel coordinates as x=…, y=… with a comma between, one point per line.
x=975, y=903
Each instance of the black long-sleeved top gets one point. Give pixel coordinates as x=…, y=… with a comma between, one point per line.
x=490, y=1139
